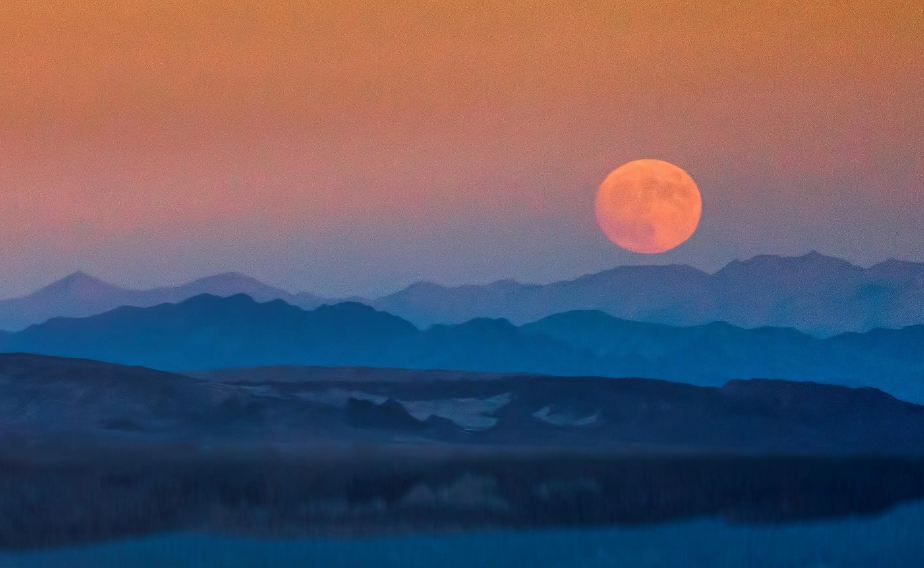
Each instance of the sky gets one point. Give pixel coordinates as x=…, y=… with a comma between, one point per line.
x=355, y=147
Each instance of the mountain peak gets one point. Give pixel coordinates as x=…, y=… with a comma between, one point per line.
x=818, y=258
x=230, y=283
x=205, y=297
x=793, y=265
x=77, y=283
x=79, y=276
x=347, y=307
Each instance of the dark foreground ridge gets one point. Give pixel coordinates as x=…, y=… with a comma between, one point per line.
x=46, y=504
x=49, y=399
x=92, y=451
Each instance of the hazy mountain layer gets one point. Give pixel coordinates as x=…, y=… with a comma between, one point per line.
x=207, y=332
x=813, y=293
x=80, y=295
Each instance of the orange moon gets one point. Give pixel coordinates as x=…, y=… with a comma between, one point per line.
x=648, y=206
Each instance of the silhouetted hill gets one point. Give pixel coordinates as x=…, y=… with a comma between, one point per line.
x=813, y=293
x=65, y=398
x=210, y=332
x=716, y=352
x=81, y=295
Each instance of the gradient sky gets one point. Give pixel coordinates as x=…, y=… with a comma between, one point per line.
x=354, y=147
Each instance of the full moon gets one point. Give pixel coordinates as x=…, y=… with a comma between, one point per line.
x=648, y=206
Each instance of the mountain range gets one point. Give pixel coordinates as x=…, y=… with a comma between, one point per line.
x=209, y=332
x=814, y=293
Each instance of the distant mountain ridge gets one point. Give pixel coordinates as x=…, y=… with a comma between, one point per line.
x=81, y=295
x=209, y=332
x=813, y=293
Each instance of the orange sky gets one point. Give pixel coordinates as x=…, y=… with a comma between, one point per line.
x=355, y=147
